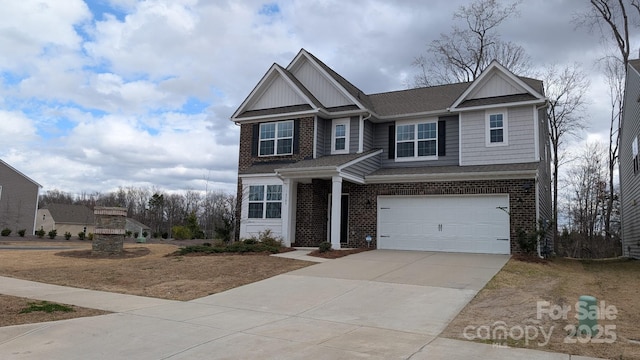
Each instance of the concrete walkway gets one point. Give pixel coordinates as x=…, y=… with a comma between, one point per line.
x=375, y=305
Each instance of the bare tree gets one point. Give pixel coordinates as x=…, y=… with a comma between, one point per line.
x=566, y=88
x=464, y=53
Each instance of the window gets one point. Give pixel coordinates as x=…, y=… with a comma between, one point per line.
x=496, y=124
x=265, y=201
x=340, y=136
x=417, y=140
x=276, y=138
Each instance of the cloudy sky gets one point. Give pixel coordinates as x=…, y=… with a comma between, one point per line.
x=99, y=94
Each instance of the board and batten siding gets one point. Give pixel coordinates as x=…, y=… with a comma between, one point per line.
x=278, y=94
x=381, y=136
x=520, y=138
x=630, y=182
x=319, y=86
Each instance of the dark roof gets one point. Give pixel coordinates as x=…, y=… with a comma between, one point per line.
x=635, y=63
x=417, y=100
x=275, y=111
x=497, y=168
x=326, y=161
x=497, y=100
x=265, y=168
x=70, y=214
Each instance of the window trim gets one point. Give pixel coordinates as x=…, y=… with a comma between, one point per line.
x=415, y=140
x=505, y=127
x=265, y=201
x=347, y=124
x=276, y=138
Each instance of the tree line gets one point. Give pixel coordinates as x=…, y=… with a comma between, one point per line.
x=206, y=215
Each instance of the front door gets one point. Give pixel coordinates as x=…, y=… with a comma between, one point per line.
x=344, y=221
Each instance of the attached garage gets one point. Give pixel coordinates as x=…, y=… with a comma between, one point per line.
x=472, y=224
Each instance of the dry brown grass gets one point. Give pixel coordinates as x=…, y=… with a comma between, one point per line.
x=147, y=272
x=512, y=296
x=11, y=307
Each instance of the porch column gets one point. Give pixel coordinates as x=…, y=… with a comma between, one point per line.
x=288, y=211
x=336, y=208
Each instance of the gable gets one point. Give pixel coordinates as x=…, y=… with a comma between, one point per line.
x=319, y=85
x=496, y=84
x=275, y=93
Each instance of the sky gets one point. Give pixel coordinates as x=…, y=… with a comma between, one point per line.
x=99, y=94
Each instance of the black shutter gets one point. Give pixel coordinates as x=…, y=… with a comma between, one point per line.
x=392, y=142
x=442, y=136
x=254, y=139
x=296, y=136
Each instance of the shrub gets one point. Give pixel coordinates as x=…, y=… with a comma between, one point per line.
x=90, y=237
x=528, y=240
x=145, y=234
x=128, y=233
x=155, y=235
x=21, y=232
x=250, y=241
x=165, y=235
x=206, y=244
x=52, y=234
x=67, y=235
x=181, y=233
x=5, y=232
x=324, y=247
x=81, y=235
x=40, y=233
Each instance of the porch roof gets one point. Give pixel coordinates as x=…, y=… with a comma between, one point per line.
x=471, y=172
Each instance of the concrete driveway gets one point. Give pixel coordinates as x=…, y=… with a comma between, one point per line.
x=377, y=305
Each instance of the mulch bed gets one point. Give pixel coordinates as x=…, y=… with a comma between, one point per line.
x=127, y=253
x=334, y=254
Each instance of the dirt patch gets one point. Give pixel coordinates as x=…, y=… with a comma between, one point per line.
x=153, y=275
x=12, y=306
x=334, y=254
x=510, y=301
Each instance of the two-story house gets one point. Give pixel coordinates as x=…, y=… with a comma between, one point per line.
x=630, y=163
x=458, y=167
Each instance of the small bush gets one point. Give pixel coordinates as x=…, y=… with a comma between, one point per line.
x=324, y=247
x=67, y=235
x=165, y=235
x=128, y=233
x=145, y=234
x=21, y=232
x=40, y=233
x=52, y=234
x=181, y=233
x=155, y=235
x=81, y=235
x=5, y=232
x=135, y=234
x=90, y=237
x=206, y=244
x=250, y=241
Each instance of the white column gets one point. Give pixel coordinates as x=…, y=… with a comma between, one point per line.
x=286, y=211
x=336, y=207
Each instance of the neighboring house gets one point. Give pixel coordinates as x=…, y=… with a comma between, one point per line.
x=18, y=200
x=630, y=164
x=136, y=227
x=65, y=218
x=458, y=167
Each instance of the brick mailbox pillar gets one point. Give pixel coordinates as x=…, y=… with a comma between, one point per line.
x=108, y=237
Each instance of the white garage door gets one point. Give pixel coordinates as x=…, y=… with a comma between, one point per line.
x=474, y=224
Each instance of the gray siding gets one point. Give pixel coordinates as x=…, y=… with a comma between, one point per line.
x=520, y=129
x=18, y=201
x=381, y=132
x=545, y=206
x=369, y=129
x=354, y=134
x=630, y=182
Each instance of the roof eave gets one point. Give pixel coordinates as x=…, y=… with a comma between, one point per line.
x=259, y=118
x=499, y=105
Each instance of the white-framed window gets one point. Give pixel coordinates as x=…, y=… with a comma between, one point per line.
x=496, y=128
x=340, y=136
x=265, y=201
x=276, y=138
x=417, y=140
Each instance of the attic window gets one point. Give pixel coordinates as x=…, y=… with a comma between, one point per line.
x=276, y=138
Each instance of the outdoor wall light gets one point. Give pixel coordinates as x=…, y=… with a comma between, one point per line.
x=368, y=240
